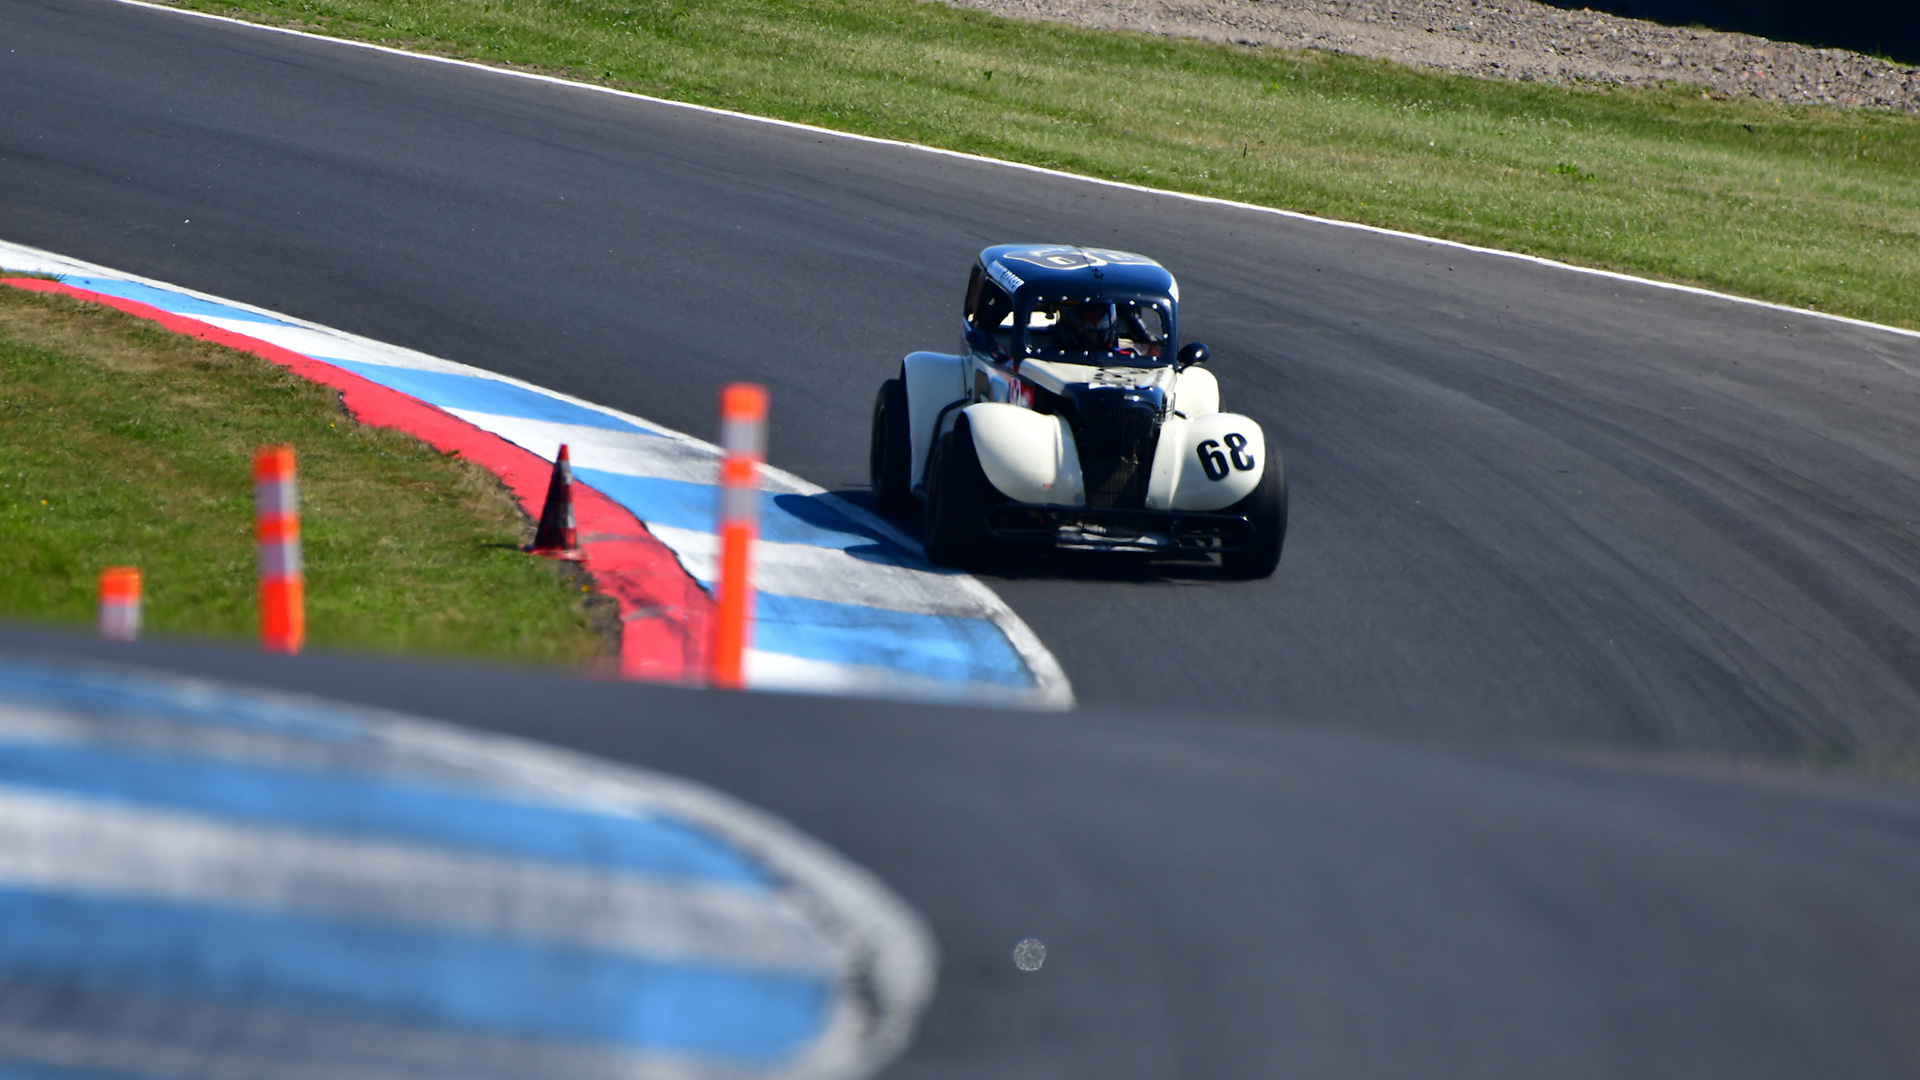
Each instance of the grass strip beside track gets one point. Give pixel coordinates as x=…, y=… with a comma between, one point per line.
x=123, y=443
x=1810, y=206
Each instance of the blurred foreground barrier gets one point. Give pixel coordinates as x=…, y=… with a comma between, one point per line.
x=120, y=603
x=743, y=441
x=276, y=508
x=200, y=882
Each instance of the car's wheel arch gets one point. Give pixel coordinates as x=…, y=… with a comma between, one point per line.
x=1029, y=457
x=935, y=384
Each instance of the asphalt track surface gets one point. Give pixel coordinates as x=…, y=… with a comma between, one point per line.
x=1241, y=899
x=1525, y=501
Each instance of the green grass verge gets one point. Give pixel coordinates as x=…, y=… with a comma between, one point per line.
x=1809, y=206
x=122, y=443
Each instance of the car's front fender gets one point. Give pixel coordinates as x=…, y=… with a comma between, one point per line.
x=1206, y=463
x=1196, y=393
x=1030, y=457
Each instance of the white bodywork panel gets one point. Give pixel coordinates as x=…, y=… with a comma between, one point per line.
x=1029, y=456
x=1196, y=393
x=1232, y=443
x=934, y=381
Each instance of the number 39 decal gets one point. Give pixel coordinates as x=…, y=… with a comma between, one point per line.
x=1215, y=463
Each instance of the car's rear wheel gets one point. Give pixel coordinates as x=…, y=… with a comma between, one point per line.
x=1266, y=507
x=959, y=495
x=890, y=458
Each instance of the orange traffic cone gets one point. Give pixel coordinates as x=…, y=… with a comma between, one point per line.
x=555, y=538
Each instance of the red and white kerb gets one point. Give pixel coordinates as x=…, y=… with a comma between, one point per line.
x=743, y=441
x=276, y=508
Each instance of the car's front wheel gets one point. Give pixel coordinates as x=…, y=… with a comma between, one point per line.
x=1266, y=507
x=959, y=495
x=890, y=458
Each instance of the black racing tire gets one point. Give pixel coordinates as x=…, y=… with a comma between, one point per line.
x=1266, y=507
x=954, y=528
x=890, y=458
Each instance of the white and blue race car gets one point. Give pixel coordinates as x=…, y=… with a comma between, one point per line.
x=1072, y=421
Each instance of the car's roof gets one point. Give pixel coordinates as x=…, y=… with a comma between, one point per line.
x=1066, y=270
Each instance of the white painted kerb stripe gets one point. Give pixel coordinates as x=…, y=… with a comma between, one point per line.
x=49, y=1027
x=54, y=843
x=830, y=574
x=1041, y=169
x=800, y=675
x=624, y=453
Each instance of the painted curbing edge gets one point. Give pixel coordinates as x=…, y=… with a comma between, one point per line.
x=627, y=563
x=655, y=584
x=1052, y=689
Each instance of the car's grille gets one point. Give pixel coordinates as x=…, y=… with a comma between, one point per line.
x=1116, y=453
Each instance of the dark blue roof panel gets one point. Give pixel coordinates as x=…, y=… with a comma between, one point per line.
x=1062, y=269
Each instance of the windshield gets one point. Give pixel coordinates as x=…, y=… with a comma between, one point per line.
x=1130, y=333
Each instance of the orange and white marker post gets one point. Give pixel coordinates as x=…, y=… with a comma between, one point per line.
x=120, y=603
x=743, y=439
x=283, y=590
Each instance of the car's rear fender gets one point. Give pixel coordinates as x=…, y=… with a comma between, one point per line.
x=934, y=381
x=1206, y=463
x=1030, y=457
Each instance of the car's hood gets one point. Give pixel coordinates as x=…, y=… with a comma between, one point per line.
x=1055, y=376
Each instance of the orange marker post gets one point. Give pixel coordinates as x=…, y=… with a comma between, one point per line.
x=283, y=591
x=743, y=439
x=120, y=603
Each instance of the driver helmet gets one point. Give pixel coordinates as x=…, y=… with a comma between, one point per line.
x=1087, y=326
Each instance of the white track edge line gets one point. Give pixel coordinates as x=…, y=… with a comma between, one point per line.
x=1052, y=689
x=1214, y=200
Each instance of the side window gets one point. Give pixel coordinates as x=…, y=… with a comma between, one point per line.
x=989, y=308
x=972, y=305
x=1143, y=330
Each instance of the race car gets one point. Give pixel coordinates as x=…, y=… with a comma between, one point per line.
x=1070, y=420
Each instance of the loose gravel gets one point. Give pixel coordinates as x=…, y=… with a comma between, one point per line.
x=1510, y=39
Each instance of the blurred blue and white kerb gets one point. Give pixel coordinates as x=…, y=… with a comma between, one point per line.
x=198, y=881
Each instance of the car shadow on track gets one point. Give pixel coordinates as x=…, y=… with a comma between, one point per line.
x=1039, y=563
x=1102, y=566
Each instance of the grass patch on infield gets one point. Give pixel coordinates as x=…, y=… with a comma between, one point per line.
x=123, y=443
x=1811, y=206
